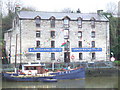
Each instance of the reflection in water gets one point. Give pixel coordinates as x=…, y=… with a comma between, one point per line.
x=102, y=82
x=59, y=84
x=89, y=82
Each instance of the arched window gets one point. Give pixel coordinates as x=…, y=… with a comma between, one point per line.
x=52, y=22
x=79, y=22
x=37, y=21
x=66, y=22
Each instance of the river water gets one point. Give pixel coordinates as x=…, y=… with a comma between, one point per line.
x=89, y=82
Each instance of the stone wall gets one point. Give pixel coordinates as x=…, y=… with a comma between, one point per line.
x=28, y=38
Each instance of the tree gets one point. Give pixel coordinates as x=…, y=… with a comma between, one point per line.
x=28, y=9
x=67, y=10
x=112, y=8
x=114, y=25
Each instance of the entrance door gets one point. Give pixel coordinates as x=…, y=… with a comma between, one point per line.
x=67, y=57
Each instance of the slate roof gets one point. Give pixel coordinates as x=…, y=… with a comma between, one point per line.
x=59, y=15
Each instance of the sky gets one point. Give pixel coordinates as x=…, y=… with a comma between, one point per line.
x=85, y=6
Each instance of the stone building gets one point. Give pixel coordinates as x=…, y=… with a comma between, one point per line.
x=58, y=37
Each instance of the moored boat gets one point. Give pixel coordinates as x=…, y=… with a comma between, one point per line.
x=36, y=72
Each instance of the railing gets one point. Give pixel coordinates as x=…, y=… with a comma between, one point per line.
x=10, y=67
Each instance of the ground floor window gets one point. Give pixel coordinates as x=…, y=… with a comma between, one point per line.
x=52, y=56
x=93, y=56
x=80, y=56
x=38, y=56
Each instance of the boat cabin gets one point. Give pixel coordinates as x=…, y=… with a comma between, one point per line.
x=33, y=69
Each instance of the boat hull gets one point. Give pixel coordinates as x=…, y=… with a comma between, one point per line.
x=70, y=74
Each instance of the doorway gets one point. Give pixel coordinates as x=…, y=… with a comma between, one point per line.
x=66, y=57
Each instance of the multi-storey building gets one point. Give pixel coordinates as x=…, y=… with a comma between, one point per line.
x=58, y=37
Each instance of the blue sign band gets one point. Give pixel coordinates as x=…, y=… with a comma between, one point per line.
x=44, y=49
x=86, y=49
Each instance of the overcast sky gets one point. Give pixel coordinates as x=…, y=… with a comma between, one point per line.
x=85, y=6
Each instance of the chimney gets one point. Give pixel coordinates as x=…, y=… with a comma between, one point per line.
x=100, y=12
x=17, y=9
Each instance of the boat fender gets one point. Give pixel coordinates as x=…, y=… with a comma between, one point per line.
x=72, y=57
x=58, y=60
x=29, y=72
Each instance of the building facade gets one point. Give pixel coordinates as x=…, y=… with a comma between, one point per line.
x=58, y=37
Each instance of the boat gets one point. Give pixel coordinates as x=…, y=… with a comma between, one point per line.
x=37, y=72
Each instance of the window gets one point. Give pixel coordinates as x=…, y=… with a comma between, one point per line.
x=80, y=56
x=80, y=44
x=66, y=22
x=37, y=21
x=79, y=22
x=92, y=22
x=52, y=34
x=93, y=55
x=38, y=56
x=93, y=43
x=52, y=22
x=37, y=33
x=79, y=34
x=66, y=33
x=93, y=34
x=38, y=43
x=67, y=46
x=52, y=56
x=52, y=44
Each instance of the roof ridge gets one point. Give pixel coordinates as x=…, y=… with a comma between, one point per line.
x=57, y=12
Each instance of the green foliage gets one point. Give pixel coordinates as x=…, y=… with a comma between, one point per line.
x=28, y=9
x=117, y=62
x=7, y=21
x=114, y=26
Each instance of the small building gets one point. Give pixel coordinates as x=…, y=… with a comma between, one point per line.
x=58, y=37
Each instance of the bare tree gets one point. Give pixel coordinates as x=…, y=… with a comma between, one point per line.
x=112, y=8
x=67, y=10
x=9, y=6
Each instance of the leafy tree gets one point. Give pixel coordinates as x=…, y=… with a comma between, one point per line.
x=7, y=21
x=114, y=26
x=28, y=9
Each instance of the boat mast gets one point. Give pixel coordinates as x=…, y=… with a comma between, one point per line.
x=16, y=53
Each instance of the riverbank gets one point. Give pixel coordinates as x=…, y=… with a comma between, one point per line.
x=96, y=72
